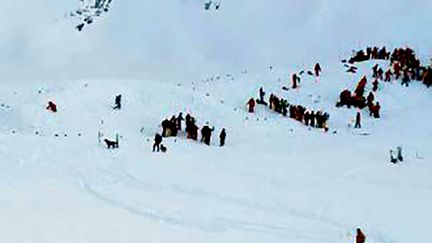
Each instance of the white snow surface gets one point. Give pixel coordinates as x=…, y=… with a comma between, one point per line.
x=274, y=181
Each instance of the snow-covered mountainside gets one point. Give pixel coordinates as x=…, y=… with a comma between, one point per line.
x=275, y=180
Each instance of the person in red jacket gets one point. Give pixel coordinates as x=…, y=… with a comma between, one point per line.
x=360, y=237
x=359, y=91
x=52, y=106
x=251, y=105
x=388, y=75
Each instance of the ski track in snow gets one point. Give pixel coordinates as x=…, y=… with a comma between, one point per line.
x=217, y=224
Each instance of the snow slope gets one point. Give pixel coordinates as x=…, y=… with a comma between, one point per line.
x=275, y=181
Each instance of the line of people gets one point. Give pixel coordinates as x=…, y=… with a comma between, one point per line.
x=300, y=113
x=371, y=53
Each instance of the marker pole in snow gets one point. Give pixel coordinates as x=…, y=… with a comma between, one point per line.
x=100, y=133
x=117, y=139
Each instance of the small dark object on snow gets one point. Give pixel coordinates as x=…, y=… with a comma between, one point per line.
x=80, y=27
x=393, y=159
x=399, y=154
x=52, y=106
x=163, y=148
x=117, y=102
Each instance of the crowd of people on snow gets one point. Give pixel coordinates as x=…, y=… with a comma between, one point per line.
x=404, y=64
x=171, y=128
x=87, y=12
x=357, y=98
x=300, y=113
x=370, y=53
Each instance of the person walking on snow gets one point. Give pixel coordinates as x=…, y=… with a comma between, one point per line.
x=261, y=95
x=294, y=81
x=179, y=121
x=393, y=158
x=206, y=132
x=358, y=120
x=317, y=69
x=157, y=142
x=222, y=137
x=399, y=154
x=375, y=85
x=251, y=105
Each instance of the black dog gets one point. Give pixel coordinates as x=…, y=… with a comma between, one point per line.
x=163, y=148
x=111, y=144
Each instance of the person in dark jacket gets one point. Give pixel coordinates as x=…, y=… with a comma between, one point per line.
x=206, y=132
x=317, y=69
x=306, y=118
x=166, y=128
x=222, y=137
x=399, y=154
x=261, y=97
x=117, y=102
x=179, y=121
x=370, y=99
x=393, y=158
x=173, y=126
x=375, y=85
x=405, y=79
x=157, y=142
x=294, y=81
x=358, y=120
x=312, y=119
